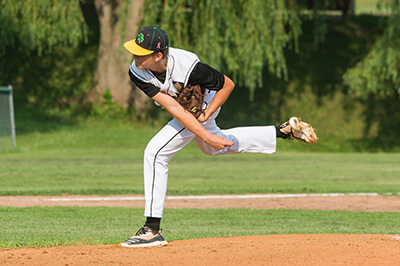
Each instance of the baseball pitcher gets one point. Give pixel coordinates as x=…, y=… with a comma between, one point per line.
x=193, y=92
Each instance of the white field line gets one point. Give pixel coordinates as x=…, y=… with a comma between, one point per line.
x=261, y=196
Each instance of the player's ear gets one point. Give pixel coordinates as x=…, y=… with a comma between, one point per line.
x=158, y=56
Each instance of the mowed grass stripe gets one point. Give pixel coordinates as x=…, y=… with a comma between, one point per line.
x=57, y=226
x=116, y=172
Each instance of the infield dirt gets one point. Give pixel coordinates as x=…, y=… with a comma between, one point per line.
x=251, y=250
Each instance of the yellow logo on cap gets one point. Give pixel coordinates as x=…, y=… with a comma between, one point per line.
x=140, y=38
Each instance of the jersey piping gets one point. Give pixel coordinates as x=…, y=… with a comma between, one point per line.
x=154, y=170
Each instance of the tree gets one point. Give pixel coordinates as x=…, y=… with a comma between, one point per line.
x=40, y=24
x=117, y=19
x=379, y=72
x=238, y=37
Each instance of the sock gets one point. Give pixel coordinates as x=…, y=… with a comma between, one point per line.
x=279, y=134
x=153, y=223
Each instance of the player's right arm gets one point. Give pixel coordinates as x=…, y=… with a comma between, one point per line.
x=190, y=122
x=186, y=119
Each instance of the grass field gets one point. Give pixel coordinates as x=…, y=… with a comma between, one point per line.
x=99, y=159
x=95, y=158
x=57, y=226
x=286, y=172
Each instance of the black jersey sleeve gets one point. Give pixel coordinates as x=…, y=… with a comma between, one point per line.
x=207, y=77
x=148, y=88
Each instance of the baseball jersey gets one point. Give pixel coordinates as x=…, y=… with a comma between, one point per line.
x=183, y=68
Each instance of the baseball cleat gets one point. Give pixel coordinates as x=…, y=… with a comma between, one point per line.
x=298, y=130
x=145, y=237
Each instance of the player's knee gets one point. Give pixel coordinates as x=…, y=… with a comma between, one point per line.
x=156, y=154
x=150, y=151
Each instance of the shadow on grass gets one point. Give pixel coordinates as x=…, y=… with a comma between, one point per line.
x=30, y=119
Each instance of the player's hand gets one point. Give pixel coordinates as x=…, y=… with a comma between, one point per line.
x=203, y=117
x=218, y=142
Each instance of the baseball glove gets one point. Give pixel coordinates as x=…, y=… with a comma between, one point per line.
x=298, y=130
x=302, y=130
x=191, y=98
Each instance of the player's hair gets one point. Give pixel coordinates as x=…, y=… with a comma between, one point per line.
x=163, y=52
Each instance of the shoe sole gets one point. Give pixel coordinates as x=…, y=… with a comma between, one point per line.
x=302, y=130
x=145, y=245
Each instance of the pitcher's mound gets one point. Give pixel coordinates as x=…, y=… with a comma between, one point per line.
x=250, y=250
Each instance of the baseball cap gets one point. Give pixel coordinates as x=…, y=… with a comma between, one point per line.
x=148, y=40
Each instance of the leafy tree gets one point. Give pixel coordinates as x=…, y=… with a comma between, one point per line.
x=40, y=24
x=43, y=51
x=44, y=25
x=379, y=72
x=118, y=21
x=241, y=38
x=238, y=37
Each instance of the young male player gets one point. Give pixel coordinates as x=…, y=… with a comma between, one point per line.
x=161, y=72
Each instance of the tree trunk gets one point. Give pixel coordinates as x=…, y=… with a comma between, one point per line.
x=112, y=59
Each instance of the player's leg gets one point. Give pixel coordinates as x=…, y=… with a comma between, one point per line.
x=159, y=151
x=256, y=139
x=259, y=139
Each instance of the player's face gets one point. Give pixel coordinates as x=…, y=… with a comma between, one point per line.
x=145, y=61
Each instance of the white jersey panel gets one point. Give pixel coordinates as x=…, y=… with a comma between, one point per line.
x=179, y=67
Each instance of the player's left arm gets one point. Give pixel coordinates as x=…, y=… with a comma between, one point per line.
x=219, y=99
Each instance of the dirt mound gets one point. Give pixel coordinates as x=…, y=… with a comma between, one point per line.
x=250, y=250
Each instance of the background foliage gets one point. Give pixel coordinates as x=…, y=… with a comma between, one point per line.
x=379, y=71
x=236, y=36
x=49, y=52
x=39, y=25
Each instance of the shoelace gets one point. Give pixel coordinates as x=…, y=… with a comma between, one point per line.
x=142, y=231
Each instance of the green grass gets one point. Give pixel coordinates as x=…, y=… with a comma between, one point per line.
x=99, y=159
x=103, y=158
x=55, y=226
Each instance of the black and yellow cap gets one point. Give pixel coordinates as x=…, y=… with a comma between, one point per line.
x=148, y=41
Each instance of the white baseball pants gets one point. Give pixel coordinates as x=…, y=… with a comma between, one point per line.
x=173, y=137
